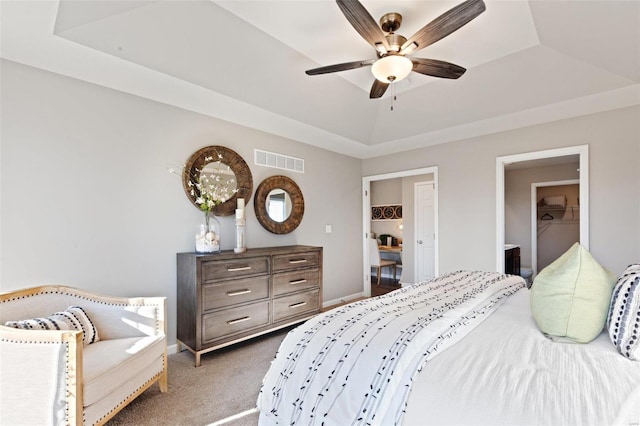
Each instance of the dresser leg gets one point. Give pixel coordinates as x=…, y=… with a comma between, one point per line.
x=197, y=354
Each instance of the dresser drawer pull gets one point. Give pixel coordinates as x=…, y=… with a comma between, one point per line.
x=295, y=305
x=298, y=281
x=240, y=268
x=238, y=292
x=295, y=261
x=236, y=321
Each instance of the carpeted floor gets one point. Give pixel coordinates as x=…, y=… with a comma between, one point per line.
x=226, y=383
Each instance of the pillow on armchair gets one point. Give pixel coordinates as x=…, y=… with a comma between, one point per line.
x=570, y=298
x=73, y=318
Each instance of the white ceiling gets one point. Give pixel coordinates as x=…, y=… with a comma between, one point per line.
x=527, y=62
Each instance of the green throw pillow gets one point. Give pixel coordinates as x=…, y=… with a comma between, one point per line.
x=570, y=298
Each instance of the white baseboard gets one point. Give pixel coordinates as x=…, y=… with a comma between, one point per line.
x=172, y=349
x=342, y=300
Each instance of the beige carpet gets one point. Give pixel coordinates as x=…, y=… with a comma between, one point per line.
x=226, y=383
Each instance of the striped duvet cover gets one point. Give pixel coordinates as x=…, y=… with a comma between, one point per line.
x=355, y=364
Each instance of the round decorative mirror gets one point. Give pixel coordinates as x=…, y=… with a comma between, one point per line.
x=223, y=172
x=279, y=204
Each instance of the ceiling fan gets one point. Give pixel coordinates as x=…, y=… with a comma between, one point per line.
x=393, y=63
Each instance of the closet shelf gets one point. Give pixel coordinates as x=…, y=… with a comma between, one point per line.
x=556, y=209
x=559, y=221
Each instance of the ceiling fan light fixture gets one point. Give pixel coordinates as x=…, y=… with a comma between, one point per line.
x=391, y=68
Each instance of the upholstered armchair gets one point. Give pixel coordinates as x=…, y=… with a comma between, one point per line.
x=53, y=377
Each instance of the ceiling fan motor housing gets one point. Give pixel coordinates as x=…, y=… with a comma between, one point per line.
x=395, y=42
x=390, y=22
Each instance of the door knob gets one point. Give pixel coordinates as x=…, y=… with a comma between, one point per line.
x=419, y=241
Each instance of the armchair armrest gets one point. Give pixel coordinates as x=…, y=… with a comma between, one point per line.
x=53, y=360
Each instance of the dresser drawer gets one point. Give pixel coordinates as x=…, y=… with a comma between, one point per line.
x=233, y=292
x=236, y=320
x=286, y=282
x=284, y=262
x=234, y=268
x=295, y=304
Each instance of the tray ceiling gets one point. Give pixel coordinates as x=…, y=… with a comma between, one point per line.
x=243, y=61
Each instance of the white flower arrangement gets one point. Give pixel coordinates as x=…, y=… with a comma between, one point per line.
x=213, y=187
x=210, y=186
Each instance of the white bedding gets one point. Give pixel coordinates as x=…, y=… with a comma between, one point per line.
x=503, y=372
x=355, y=364
x=506, y=372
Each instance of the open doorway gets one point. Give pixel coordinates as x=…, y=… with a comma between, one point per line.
x=543, y=159
x=410, y=250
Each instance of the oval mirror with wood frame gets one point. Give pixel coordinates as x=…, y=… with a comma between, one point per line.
x=279, y=204
x=224, y=167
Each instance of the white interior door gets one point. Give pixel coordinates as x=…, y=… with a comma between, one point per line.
x=425, y=230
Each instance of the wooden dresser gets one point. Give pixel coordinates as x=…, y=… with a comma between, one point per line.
x=228, y=297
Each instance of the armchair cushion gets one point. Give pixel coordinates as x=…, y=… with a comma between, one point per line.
x=109, y=364
x=73, y=318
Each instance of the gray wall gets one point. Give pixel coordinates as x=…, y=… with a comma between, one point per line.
x=467, y=185
x=87, y=200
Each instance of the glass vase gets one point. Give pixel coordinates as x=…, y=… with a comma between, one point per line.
x=208, y=237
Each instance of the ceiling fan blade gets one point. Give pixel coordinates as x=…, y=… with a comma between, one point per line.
x=339, y=67
x=443, y=25
x=364, y=24
x=436, y=68
x=378, y=89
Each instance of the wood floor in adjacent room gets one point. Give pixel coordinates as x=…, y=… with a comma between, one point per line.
x=386, y=285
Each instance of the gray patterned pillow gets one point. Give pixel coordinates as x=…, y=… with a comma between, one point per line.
x=74, y=318
x=623, y=321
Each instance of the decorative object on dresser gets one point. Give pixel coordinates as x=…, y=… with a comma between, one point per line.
x=279, y=204
x=224, y=163
x=215, y=179
x=240, y=223
x=230, y=297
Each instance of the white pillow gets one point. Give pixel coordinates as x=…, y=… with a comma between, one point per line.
x=74, y=318
x=623, y=321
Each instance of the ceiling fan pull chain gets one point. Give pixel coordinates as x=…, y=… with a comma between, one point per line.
x=393, y=94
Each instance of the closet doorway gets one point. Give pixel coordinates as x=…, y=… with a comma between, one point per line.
x=582, y=169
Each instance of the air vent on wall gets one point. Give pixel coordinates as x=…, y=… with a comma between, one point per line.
x=278, y=161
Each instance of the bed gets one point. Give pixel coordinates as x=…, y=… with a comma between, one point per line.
x=460, y=349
